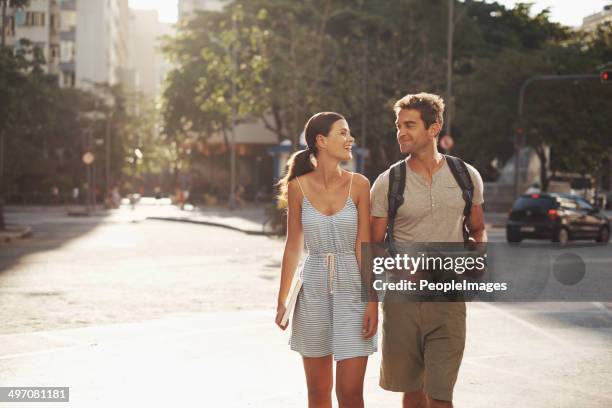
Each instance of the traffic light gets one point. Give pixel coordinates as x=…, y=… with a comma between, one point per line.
x=605, y=75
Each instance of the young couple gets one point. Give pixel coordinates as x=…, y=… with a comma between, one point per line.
x=334, y=211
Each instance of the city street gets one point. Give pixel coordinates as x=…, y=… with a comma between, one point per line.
x=155, y=313
x=130, y=128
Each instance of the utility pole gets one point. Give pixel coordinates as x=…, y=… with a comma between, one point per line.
x=2, y=223
x=449, y=67
x=364, y=95
x=232, y=196
x=520, y=131
x=107, y=162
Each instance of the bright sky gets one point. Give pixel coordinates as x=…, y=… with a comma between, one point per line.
x=167, y=9
x=568, y=12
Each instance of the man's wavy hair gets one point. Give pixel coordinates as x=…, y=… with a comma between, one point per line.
x=430, y=106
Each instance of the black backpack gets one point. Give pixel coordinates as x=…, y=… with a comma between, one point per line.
x=397, y=183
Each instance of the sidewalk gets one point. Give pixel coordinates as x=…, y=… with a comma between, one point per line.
x=248, y=220
x=240, y=359
x=14, y=232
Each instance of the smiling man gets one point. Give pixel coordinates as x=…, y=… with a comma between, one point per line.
x=437, y=198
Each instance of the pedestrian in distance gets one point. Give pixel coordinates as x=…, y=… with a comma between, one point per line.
x=75, y=195
x=441, y=201
x=329, y=209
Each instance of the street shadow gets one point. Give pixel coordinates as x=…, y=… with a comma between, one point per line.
x=52, y=228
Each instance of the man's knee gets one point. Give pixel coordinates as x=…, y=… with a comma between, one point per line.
x=435, y=403
x=414, y=399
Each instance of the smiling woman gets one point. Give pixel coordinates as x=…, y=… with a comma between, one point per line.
x=167, y=9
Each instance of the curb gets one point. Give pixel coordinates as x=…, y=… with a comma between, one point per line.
x=86, y=214
x=489, y=226
x=14, y=233
x=209, y=223
x=249, y=232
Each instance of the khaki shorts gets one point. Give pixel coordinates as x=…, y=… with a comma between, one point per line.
x=422, y=347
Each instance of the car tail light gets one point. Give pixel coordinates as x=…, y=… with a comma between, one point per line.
x=535, y=196
x=553, y=214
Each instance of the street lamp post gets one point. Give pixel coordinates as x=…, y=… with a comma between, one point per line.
x=232, y=196
x=2, y=223
x=107, y=146
x=103, y=90
x=449, y=67
x=520, y=131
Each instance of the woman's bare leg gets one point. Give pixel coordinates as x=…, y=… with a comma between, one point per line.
x=319, y=380
x=349, y=381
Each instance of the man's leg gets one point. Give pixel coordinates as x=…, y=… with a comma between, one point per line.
x=444, y=343
x=415, y=399
x=434, y=403
x=401, y=368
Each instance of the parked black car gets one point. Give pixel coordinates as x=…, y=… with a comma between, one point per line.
x=558, y=217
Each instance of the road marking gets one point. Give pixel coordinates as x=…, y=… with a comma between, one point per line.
x=602, y=307
x=563, y=385
x=531, y=326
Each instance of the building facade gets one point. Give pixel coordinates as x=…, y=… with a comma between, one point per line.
x=101, y=43
x=146, y=59
x=590, y=23
x=83, y=41
x=187, y=7
x=38, y=23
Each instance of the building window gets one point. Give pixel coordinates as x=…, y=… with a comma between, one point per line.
x=68, y=79
x=55, y=52
x=54, y=21
x=66, y=51
x=32, y=19
x=10, y=26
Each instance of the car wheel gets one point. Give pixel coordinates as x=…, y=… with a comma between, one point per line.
x=604, y=235
x=513, y=237
x=562, y=236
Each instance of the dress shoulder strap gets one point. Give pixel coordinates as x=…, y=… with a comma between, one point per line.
x=300, y=184
x=351, y=184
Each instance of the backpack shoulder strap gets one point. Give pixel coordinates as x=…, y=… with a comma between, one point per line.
x=461, y=174
x=397, y=183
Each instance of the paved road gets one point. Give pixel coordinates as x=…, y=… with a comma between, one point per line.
x=150, y=313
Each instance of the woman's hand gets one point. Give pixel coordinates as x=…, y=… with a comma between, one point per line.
x=370, y=320
x=280, y=312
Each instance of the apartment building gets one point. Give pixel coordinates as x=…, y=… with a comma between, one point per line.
x=83, y=41
x=100, y=40
x=146, y=58
x=589, y=23
x=38, y=23
x=187, y=7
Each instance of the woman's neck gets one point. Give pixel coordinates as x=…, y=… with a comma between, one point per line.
x=328, y=172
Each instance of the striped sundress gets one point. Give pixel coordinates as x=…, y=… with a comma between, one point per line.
x=328, y=316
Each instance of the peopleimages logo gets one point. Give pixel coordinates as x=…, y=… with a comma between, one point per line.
x=446, y=287
x=489, y=272
x=412, y=264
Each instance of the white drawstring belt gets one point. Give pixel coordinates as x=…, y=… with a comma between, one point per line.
x=330, y=264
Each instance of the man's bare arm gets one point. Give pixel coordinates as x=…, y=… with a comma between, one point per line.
x=378, y=227
x=476, y=224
